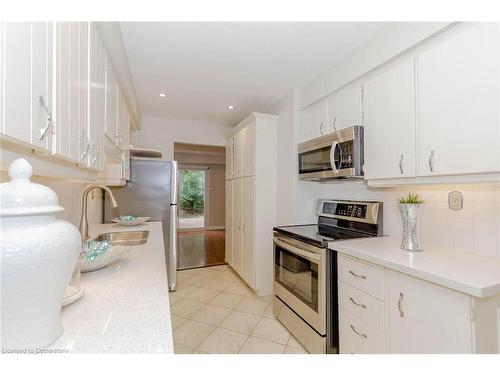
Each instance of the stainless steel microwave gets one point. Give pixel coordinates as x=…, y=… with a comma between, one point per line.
x=331, y=156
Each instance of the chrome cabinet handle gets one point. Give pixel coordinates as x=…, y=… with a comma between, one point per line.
x=356, y=275
x=357, y=303
x=400, y=307
x=334, y=124
x=87, y=147
x=321, y=129
x=431, y=161
x=358, y=333
x=401, y=164
x=43, y=132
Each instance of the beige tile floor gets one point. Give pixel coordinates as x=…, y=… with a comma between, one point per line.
x=214, y=312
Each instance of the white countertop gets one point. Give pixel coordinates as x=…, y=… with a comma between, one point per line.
x=125, y=306
x=469, y=273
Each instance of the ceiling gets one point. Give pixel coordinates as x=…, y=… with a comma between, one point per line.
x=204, y=67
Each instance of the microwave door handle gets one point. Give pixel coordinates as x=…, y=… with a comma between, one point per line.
x=332, y=156
x=315, y=258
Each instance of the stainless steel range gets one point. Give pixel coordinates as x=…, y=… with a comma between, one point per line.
x=305, y=270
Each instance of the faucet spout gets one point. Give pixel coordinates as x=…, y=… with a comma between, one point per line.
x=84, y=225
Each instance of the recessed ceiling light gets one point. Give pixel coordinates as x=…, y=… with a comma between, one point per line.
x=163, y=95
x=231, y=107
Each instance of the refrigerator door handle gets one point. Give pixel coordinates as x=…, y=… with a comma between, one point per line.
x=172, y=247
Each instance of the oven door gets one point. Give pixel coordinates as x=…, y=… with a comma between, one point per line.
x=299, y=279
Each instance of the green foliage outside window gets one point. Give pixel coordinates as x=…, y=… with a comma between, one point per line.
x=192, y=197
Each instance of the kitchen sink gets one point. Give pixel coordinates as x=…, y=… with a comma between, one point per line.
x=130, y=238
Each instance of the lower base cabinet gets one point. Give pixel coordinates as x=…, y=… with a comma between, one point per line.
x=410, y=315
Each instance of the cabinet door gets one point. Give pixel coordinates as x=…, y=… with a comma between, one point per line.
x=314, y=120
x=344, y=108
x=120, y=118
x=126, y=144
x=237, y=212
x=426, y=318
x=229, y=222
x=97, y=98
x=458, y=103
x=389, y=122
x=83, y=91
x=238, y=154
x=248, y=148
x=229, y=157
x=111, y=111
x=27, y=80
x=247, y=230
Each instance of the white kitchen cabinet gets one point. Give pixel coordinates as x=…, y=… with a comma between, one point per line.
x=72, y=133
x=120, y=119
x=111, y=125
x=344, y=108
x=458, y=96
x=426, y=318
x=389, y=122
x=26, y=63
x=237, y=225
x=315, y=120
x=247, y=229
x=229, y=157
x=252, y=194
x=229, y=222
x=97, y=99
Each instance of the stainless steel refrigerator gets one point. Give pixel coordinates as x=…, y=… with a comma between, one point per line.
x=152, y=191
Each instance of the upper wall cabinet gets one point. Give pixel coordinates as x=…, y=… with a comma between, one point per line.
x=389, y=122
x=458, y=103
x=26, y=90
x=315, y=120
x=345, y=108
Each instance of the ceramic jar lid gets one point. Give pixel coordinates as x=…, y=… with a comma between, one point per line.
x=20, y=196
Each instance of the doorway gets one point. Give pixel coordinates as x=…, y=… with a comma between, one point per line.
x=201, y=220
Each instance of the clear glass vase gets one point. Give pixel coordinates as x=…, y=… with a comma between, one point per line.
x=409, y=216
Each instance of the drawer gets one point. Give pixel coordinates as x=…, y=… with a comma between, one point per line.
x=365, y=277
x=357, y=333
x=366, y=307
x=346, y=346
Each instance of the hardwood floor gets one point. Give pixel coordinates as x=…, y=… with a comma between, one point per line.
x=201, y=248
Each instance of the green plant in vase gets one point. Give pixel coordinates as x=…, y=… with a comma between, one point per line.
x=409, y=208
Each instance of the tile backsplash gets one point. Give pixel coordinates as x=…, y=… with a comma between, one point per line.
x=70, y=197
x=475, y=228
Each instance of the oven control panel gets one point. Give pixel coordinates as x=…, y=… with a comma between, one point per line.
x=348, y=210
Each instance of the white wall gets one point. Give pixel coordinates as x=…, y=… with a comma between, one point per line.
x=161, y=133
x=476, y=228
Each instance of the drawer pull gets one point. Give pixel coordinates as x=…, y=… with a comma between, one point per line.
x=357, y=303
x=400, y=308
x=358, y=333
x=356, y=275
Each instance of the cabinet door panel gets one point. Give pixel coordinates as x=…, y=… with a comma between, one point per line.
x=237, y=225
x=62, y=89
x=229, y=157
x=458, y=103
x=389, y=122
x=238, y=154
x=83, y=84
x=248, y=217
x=41, y=82
x=426, y=318
x=344, y=108
x=111, y=111
x=229, y=222
x=314, y=120
x=17, y=77
x=248, y=147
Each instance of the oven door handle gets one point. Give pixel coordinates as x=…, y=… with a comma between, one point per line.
x=315, y=258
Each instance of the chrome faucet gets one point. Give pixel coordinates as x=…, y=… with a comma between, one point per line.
x=84, y=224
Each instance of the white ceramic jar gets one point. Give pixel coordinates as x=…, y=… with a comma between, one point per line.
x=38, y=255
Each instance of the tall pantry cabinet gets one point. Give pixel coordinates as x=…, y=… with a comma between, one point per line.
x=251, y=200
